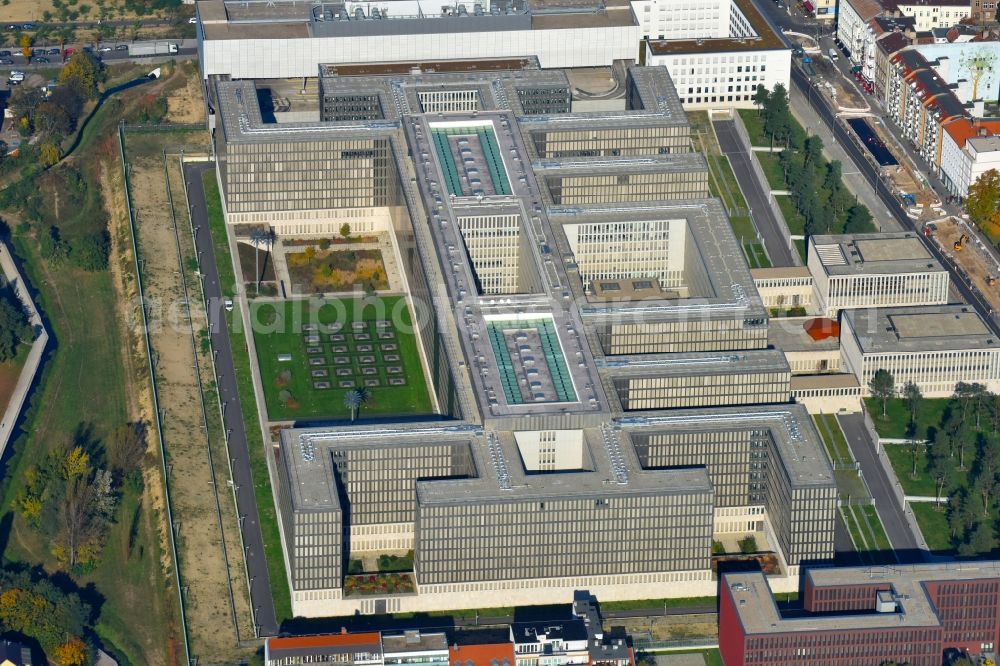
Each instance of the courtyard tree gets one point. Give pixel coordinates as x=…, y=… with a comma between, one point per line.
x=345, y=230
x=760, y=97
x=777, y=117
x=913, y=398
x=940, y=470
x=355, y=399
x=257, y=238
x=882, y=387
x=983, y=202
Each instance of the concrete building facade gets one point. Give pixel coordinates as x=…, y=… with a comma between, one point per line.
x=874, y=270
x=935, y=347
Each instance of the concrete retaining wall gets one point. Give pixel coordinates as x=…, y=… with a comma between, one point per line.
x=34, y=360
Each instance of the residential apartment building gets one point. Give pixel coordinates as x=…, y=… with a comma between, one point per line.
x=551, y=643
x=930, y=14
x=723, y=68
x=852, y=25
x=968, y=150
x=874, y=270
x=908, y=614
x=360, y=649
x=935, y=347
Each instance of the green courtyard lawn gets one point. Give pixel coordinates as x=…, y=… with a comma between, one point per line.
x=771, y=165
x=933, y=522
x=289, y=386
x=800, y=245
x=901, y=457
x=897, y=416
x=755, y=127
x=793, y=218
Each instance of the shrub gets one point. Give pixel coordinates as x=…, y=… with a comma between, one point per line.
x=748, y=544
x=91, y=252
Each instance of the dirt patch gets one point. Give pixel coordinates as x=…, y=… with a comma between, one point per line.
x=977, y=267
x=34, y=10
x=186, y=104
x=201, y=540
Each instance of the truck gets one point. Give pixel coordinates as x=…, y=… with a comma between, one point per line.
x=151, y=48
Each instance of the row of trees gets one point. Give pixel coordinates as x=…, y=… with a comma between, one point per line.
x=15, y=329
x=816, y=184
x=969, y=428
x=72, y=495
x=31, y=605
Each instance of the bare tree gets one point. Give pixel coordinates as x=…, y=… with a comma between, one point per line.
x=127, y=447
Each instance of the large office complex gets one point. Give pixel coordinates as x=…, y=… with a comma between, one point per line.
x=717, y=51
x=935, y=347
x=874, y=270
x=863, y=615
x=596, y=423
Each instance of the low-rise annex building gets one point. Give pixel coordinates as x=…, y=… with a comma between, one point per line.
x=935, y=347
x=874, y=270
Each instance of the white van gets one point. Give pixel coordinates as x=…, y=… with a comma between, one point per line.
x=833, y=55
x=15, y=77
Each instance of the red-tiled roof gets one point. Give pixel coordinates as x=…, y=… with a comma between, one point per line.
x=963, y=129
x=482, y=655
x=327, y=640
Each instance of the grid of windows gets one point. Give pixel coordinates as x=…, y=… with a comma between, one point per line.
x=494, y=245
x=637, y=393
x=679, y=336
x=851, y=291
x=662, y=186
x=616, y=141
x=624, y=250
x=556, y=538
x=448, y=101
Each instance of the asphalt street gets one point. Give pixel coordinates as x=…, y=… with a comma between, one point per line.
x=246, y=501
x=897, y=527
x=764, y=219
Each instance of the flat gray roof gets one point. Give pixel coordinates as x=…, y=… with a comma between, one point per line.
x=919, y=329
x=587, y=166
x=868, y=254
x=796, y=440
x=693, y=363
x=754, y=601
x=731, y=286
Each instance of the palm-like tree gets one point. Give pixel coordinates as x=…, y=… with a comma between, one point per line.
x=355, y=399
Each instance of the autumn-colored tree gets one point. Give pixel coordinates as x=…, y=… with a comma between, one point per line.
x=77, y=464
x=82, y=72
x=25, y=43
x=983, y=202
x=127, y=447
x=72, y=653
x=49, y=154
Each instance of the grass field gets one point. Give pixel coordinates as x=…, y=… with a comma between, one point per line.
x=833, y=439
x=771, y=166
x=933, y=522
x=901, y=457
x=756, y=255
x=796, y=223
x=755, y=127
x=867, y=533
x=244, y=384
x=898, y=416
x=800, y=245
x=288, y=385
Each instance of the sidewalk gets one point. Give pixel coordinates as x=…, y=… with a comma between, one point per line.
x=853, y=179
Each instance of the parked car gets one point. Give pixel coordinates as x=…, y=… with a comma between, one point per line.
x=6, y=61
x=42, y=59
x=68, y=52
x=53, y=51
x=13, y=27
x=105, y=49
x=193, y=19
x=28, y=26
x=4, y=54
x=121, y=47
